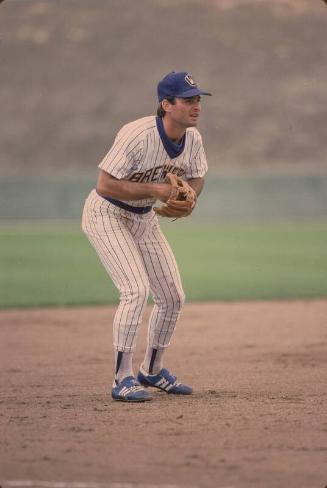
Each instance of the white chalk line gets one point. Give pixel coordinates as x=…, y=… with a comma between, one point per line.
x=81, y=484
x=89, y=484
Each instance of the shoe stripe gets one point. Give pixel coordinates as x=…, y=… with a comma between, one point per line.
x=125, y=391
x=163, y=384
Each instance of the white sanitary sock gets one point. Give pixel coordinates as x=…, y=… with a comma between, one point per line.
x=153, y=360
x=124, y=365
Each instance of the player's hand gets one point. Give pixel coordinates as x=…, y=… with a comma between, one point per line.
x=164, y=191
x=181, y=201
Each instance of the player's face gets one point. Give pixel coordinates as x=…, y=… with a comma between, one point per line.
x=186, y=111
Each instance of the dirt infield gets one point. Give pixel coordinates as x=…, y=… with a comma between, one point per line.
x=257, y=417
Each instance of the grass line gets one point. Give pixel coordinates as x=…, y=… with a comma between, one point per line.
x=58, y=267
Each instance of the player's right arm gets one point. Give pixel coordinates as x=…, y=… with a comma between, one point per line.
x=109, y=186
x=115, y=168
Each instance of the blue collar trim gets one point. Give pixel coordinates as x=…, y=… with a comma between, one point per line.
x=173, y=150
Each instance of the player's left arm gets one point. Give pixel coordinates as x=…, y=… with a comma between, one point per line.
x=197, y=184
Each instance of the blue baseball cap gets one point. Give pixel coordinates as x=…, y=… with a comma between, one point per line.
x=181, y=85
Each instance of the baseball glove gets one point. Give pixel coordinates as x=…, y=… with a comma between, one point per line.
x=181, y=201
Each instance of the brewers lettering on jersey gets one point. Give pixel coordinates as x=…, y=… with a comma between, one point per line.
x=120, y=223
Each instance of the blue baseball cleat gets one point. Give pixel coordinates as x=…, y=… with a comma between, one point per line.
x=130, y=390
x=165, y=381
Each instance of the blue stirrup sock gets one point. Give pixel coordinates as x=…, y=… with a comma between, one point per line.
x=124, y=365
x=153, y=360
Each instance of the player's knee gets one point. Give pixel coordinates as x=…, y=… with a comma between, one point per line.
x=174, y=301
x=137, y=296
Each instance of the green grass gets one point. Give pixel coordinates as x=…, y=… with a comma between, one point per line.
x=42, y=267
x=275, y=261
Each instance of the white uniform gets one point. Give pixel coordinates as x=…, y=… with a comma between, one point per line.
x=131, y=245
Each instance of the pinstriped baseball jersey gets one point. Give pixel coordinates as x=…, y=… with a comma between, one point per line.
x=139, y=154
x=132, y=247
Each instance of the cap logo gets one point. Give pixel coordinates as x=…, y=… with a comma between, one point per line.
x=190, y=81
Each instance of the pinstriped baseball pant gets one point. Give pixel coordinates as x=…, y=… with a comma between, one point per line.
x=139, y=260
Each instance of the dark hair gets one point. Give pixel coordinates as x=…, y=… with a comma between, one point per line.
x=160, y=111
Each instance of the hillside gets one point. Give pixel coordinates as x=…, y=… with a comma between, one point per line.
x=73, y=71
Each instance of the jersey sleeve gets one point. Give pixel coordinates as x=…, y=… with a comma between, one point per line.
x=198, y=162
x=123, y=155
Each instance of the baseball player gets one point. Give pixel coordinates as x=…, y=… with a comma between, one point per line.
x=153, y=158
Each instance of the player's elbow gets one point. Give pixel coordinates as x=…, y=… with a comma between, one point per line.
x=104, y=184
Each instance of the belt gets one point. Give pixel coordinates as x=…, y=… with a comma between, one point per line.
x=130, y=208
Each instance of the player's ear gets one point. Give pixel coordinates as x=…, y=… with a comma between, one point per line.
x=166, y=105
